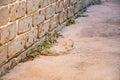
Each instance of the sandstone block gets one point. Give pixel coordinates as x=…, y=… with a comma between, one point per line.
x=73, y=2
x=77, y=7
x=46, y=26
x=52, y=1
x=54, y=21
x=48, y=12
x=17, y=10
x=8, y=32
x=38, y=17
x=16, y=46
x=45, y=3
x=59, y=6
x=12, y=30
x=24, y=24
x=62, y=16
x=43, y=28
x=70, y=11
x=33, y=5
x=53, y=8
x=4, y=15
x=66, y=4
x=3, y=53
x=5, y=2
x=30, y=37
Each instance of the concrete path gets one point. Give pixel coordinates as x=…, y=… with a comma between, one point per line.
x=93, y=44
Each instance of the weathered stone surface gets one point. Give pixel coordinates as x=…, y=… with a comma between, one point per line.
x=54, y=22
x=45, y=3
x=12, y=30
x=16, y=45
x=17, y=10
x=5, y=2
x=74, y=1
x=4, y=34
x=32, y=5
x=8, y=32
x=53, y=8
x=40, y=29
x=46, y=26
x=52, y=1
x=3, y=53
x=70, y=11
x=59, y=6
x=24, y=24
x=38, y=17
x=4, y=15
x=48, y=12
x=83, y=3
x=66, y=3
x=43, y=28
x=77, y=7
x=30, y=37
x=62, y=16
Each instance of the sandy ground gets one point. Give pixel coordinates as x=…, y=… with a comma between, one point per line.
x=93, y=44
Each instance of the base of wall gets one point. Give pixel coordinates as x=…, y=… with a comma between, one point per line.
x=19, y=57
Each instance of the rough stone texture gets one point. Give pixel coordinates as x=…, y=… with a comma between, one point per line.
x=38, y=17
x=8, y=32
x=32, y=5
x=4, y=34
x=4, y=15
x=59, y=6
x=63, y=16
x=16, y=45
x=3, y=53
x=45, y=3
x=48, y=12
x=46, y=27
x=5, y=2
x=12, y=30
x=30, y=37
x=23, y=22
x=17, y=10
x=53, y=8
x=54, y=21
x=70, y=11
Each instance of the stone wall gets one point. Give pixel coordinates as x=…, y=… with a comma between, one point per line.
x=24, y=22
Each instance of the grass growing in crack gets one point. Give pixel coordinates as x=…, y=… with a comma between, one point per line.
x=71, y=21
x=50, y=39
x=96, y=2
